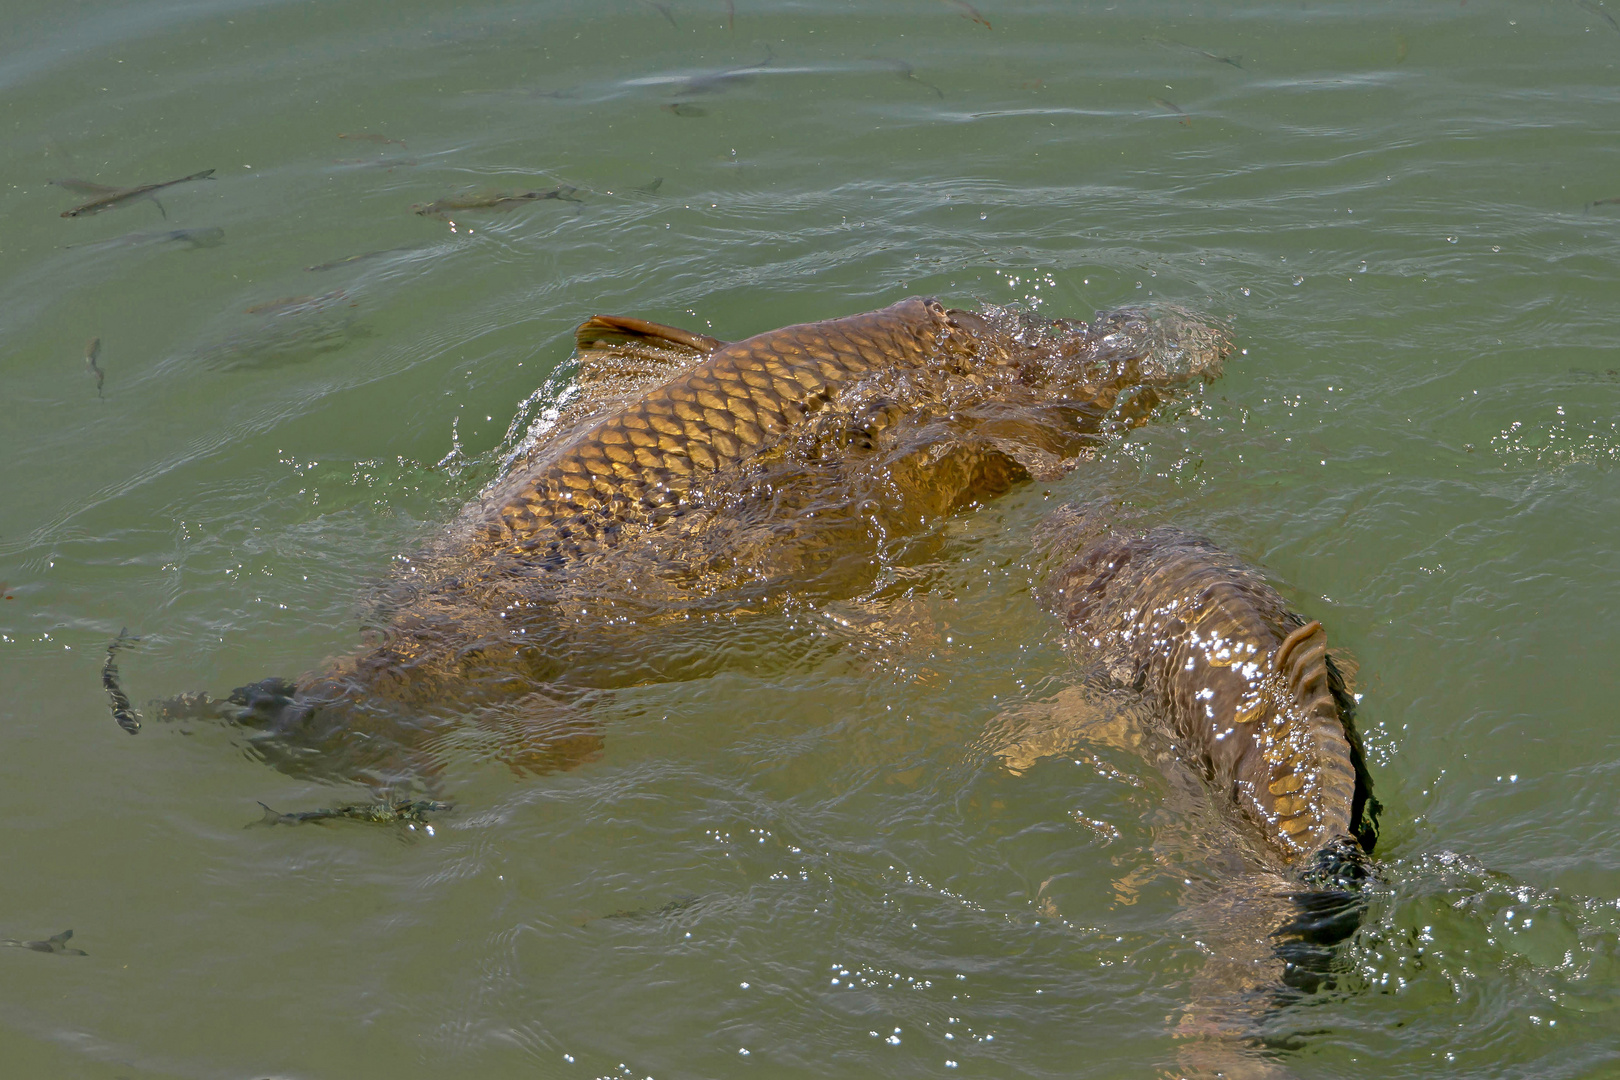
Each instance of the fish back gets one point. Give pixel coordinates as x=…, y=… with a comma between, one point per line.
x=638, y=462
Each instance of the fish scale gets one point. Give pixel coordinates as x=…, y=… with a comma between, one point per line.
x=1245, y=683
x=744, y=396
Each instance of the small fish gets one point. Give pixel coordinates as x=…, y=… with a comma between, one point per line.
x=651, y=187
x=493, y=200
x=122, y=710
x=92, y=352
x=5, y=591
x=970, y=12
x=1401, y=48
x=1603, y=202
x=1172, y=43
x=1597, y=10
x=904, y=70
x=334, y=264
x=731, y=15
x=210, y=236
x=402, y=811
x=1185, y=120
x=109, y=197
x=368, y=136
x=57, y=944
x=681, y=108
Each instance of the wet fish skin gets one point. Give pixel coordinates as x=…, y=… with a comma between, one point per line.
x=1247, y=685
x=121, y=196
x=493, y=200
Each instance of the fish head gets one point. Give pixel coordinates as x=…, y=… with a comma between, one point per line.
x=1137, y=353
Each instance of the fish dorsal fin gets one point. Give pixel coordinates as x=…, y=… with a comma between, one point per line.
x=601, y=331
x=616, y=349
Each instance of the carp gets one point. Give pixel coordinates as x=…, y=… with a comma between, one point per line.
x=1254, y=703
x=686, y=482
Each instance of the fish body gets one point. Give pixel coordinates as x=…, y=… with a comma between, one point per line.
x=687, y=478
x=492, y=200
x=108, y=198
x=1246, y=685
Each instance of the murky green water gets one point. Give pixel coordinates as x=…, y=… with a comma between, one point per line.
x=821, y=864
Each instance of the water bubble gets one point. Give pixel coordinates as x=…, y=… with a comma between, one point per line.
x=1299, y=279
x=1451, y=239
x=1244, y=290
x=983, y=216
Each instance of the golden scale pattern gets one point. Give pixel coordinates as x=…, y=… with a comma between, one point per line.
x=638, y=461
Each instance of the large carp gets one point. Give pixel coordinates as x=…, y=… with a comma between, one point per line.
x=686, y=479
x=1254, y=704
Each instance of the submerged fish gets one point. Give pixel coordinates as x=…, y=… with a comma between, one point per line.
x=493, y=200
x=663, y=9
x=109, y=197
x=367, y=136
x=681, y=108
x=92, y=353
x=651, y=187
x=56, y=944
x=1172, y=43
x=1171, y=106
x=399, y=811
x=905, y=71
x=970, y=12
x=1613, y=199
x=363, y=256
x=207, y=236
x=295, y=304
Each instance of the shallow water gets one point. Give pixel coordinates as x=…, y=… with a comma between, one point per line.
x=1417, y=441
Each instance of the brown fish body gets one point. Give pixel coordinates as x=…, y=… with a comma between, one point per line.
x=1246, y=685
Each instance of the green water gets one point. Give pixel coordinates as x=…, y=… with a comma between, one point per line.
x=1418, y=442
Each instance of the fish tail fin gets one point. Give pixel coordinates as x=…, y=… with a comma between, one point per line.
x=270, y=817
x=159, y=205
x=206, y=174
